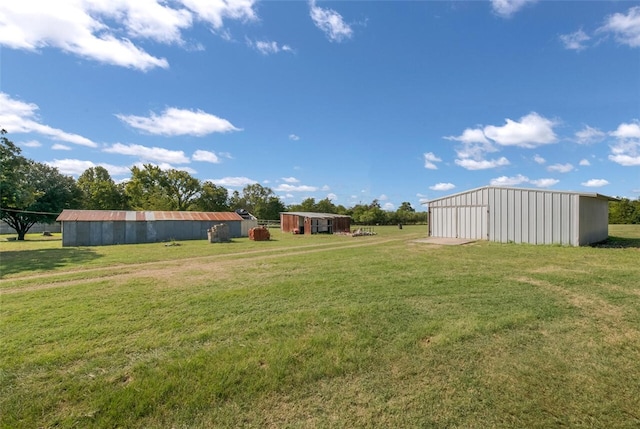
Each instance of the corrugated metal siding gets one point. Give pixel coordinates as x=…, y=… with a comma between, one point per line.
x=461, y=216
x=102, y=227
x=521, y=216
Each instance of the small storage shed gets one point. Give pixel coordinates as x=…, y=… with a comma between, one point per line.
x=105, y=227
x=314, y=223
x=516, y=215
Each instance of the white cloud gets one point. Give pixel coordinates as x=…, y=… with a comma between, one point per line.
x=108, y=31
x=560, y=168
x=520, y=179
x=76, y=27
x=268, y=48
x=429, y=160
x=299, y=188
x=483, y=164
x=233, y=182
x=332, y=197
x=145, y=153
x=294, y=137
x=595, y=183
x=19, y=117
x=531, y=131
x=589, y=135
x=388, y=207
x=626, y=28
x=626, y=160
x=216, y=11
x=539, y=160
x=330, y=22
x=290, y=180
x=627, y=131
x=31, y=143
x=325, y=188
x=584, y=162
x=506, y=8
x=205, y=156
x=626, y=151
x=470, y=136
x=544, y=183
x=176, y=122
x=59, y=146
x=509, y=181
x=75, y=167
x=442, y=187
x=575, y=41
x=383, y=197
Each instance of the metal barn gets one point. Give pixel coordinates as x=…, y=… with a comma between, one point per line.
x=521, y=216
x=314, y=223
x=105, y=227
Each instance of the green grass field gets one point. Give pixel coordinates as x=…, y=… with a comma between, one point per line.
x=321, y=331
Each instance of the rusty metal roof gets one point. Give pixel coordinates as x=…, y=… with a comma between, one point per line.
x=316, y=215
x=133, y=216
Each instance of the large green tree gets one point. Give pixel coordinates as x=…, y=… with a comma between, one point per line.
x=40, y=194
x=99, y=190
x=258, y=200
x=212, y=198
x=12, y=166
x=151, y=188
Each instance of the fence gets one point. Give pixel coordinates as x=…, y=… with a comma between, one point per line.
x=37, y=228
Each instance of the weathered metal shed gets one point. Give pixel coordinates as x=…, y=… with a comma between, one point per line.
x=517, y=215
x=105, y=227
x=314, y=223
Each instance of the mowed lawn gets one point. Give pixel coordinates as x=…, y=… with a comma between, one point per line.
x=321, y=331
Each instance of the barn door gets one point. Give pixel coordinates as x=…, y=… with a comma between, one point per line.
x=471, y=222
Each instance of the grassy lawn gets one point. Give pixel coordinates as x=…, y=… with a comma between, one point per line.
x=321, y=331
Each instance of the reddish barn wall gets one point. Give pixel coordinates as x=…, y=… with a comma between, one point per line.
x=288, y=222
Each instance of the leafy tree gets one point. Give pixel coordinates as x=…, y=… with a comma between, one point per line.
x=405, y=206
x=144, y=189
x=151, y=188
x=236, y=201
x=624, y=211
x=325, y=206
x=12, y=166
x=181, y=188
x=41, y=193
x=271, y=209
x=259, y=201
x=100, y=191
x=212, y=198
x=307, y=205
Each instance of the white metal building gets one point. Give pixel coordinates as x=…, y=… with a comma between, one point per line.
x=516, y=215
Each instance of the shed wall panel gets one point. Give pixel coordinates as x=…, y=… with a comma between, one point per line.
x=593, y=218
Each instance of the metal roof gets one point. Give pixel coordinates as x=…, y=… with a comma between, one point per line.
x=582, y=194
x=316, y=215
x=134, y=216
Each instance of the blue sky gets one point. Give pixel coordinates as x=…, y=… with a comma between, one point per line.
x=350, y=100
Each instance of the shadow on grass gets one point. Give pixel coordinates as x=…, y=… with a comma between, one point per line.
x=619, y=243
x=14, y=262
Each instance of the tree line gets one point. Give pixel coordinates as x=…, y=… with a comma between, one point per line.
x=624, y=211
x=32, y=192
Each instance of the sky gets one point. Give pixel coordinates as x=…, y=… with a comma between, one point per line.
x=399, y=101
